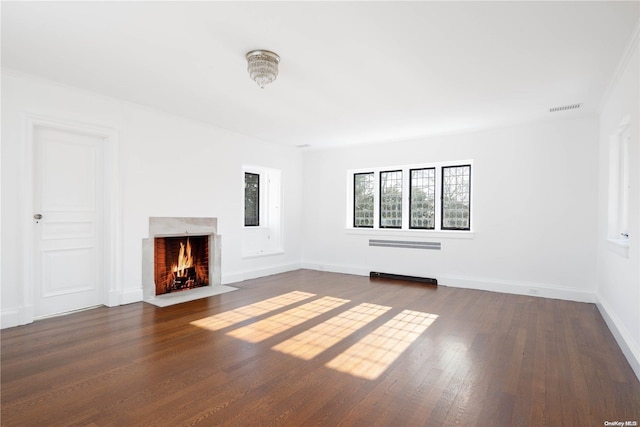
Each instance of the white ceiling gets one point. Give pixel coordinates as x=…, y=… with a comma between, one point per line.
x=351, y=72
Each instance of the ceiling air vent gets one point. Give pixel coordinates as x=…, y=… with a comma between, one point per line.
x=564, y=108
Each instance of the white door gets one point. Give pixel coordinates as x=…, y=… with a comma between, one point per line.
x=68, y=221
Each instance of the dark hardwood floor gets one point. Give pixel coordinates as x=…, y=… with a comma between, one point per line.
x=309, y=348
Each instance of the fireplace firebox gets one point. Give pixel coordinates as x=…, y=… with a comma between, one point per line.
x=180, y=263
x=181, y=260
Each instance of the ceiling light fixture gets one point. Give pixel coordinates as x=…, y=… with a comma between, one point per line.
x=262, y=66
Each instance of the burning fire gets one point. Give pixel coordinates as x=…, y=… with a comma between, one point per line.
x=182, y=267
x=185, y=260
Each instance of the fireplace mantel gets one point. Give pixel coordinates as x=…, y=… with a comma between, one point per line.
x=182, y=226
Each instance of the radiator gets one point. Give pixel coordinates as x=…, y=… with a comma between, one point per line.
x=405, y=244
x=378, y=275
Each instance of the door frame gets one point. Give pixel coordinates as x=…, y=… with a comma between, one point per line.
x=110, y=294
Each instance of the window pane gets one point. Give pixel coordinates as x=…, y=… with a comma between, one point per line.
x=251, y=199
x=363, y=199
x=391, y=199
x=456, y=202
x=422, y=204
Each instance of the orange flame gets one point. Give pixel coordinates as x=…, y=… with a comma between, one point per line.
x=185, y=259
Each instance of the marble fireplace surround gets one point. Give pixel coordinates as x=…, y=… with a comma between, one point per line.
x=182, y=226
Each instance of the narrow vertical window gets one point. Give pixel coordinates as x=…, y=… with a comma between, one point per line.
x=422, y=198
x=623, y=207
x=619, y=184
x=363, y=191
x=391, y=199
x=251, y=199
x=456, y=200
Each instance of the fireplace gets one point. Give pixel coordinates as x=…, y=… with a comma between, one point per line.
x=181, y=260
x=180, y=263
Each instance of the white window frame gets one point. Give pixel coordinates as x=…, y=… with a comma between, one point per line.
x=261, y=198
x=405, y=230
x=619, y=188
x=266, y=238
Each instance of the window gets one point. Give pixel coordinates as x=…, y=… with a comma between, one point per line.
x=262, y=193
x=426, y=197
x=623, y=187
x=422, y=199
x=251, y=199
x=619, y=184
x=363, y=190
x=391, y=199
x=456, y=200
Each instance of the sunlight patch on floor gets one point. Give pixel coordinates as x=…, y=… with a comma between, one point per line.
x=314, y=341
x=368, y=358
x=374, y=353
x=266, y=328
x=232, y=317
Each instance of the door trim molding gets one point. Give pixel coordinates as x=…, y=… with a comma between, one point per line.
x=112, y=279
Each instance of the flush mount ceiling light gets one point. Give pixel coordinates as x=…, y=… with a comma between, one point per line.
x=262, y=66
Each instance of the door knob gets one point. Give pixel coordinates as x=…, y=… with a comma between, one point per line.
x=37, y=217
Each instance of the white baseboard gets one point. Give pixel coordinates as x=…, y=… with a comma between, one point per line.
x=129, y=296
x=519, y=288
x=261, y=272
x=9, y=318
x=622, y=336
x=344, y=269
x=113, y=299
x=16, y=316
x=483, y=284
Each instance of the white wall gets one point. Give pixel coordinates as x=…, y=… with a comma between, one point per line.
x=534, y=210
x=618, y=287
x=168, y=166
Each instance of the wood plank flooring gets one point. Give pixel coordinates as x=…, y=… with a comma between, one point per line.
x=309, y=348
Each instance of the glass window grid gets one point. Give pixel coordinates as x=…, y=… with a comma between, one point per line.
x=422, y=198
x=456, y=198
x=375, y=175
x=363, y=199
x=251, y=199
x=391, y=199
